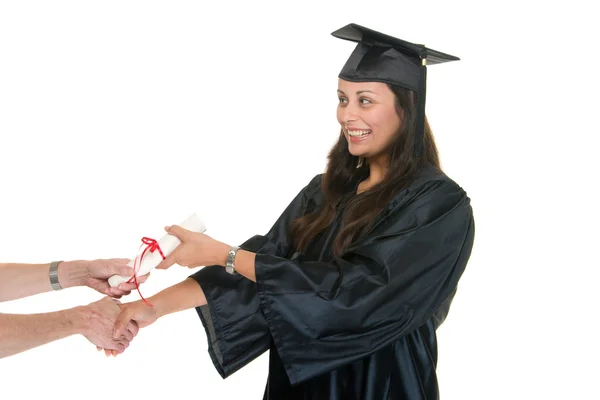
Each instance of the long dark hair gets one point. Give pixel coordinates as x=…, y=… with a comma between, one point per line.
x=343, y=173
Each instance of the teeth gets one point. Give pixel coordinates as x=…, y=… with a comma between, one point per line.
x=358, y=133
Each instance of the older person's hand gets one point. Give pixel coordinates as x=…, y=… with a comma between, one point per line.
x=99, y=321
x=136, y=314
x=100, y=270
x=95, y=273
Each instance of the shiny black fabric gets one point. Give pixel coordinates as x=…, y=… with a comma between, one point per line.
x=358, y=326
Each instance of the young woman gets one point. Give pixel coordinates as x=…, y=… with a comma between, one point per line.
x=349, y=286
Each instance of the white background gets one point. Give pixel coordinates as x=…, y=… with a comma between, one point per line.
x=119, y=117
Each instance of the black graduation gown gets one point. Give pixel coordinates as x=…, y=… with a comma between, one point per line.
x=358, y=326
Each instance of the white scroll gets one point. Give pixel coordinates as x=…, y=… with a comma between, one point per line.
x=167, y=244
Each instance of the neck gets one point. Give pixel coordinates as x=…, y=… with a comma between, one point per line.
x=377, y=170
x=378, y=167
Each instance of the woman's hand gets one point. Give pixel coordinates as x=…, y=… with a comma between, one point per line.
x=138, y=312
x=196, y=249
x=129, y=319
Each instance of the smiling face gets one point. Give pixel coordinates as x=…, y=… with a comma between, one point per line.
x=367, y=113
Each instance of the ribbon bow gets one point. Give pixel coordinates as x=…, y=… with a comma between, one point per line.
x=151, y=245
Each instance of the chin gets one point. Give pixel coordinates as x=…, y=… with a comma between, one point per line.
x=357, y=152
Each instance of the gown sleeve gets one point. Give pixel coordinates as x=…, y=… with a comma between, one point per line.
x=235, y=328
x=323, y=315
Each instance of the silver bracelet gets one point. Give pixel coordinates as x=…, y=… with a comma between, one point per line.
x=54, y=275
x=229, y=265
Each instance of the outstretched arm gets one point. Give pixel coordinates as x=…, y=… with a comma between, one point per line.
x=179, y=297
x=22, y=280
x=95, y=321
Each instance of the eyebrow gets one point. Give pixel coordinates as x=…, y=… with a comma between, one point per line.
x=359, y=92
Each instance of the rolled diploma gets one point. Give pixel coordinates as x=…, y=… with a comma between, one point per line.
x=167, y=244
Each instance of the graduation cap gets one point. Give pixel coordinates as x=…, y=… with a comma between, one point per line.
x=381, y=58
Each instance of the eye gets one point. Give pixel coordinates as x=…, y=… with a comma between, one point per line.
x=342, y=100
x=365, y=101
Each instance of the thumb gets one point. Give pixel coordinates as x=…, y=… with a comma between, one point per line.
x=121, y=324
x=118, y=266
x=167, y=262
x=179, y=232
x=122, y=270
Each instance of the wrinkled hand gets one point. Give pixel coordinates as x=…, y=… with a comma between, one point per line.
x=100, y=270
x=136, y=313
x=100, y=317
x=196, y=249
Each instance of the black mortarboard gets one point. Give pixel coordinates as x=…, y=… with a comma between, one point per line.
x=382, y=58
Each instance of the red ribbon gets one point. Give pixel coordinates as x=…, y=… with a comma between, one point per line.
x=151, y=245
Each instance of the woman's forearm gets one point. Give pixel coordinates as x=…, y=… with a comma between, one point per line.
x=184, y=295
x=244, y=264
x=19, y=333
x=244, y=260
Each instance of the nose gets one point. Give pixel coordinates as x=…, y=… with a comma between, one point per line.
x=348, y=114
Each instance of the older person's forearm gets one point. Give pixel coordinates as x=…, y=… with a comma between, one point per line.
x=19, y=333
x=22, y=280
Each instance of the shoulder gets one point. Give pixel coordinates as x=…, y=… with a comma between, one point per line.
x=434, y=183
x=431, y=193
x=316, y=180
x=313, y=188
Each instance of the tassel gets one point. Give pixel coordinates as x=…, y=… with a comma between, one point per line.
x=420, y=118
